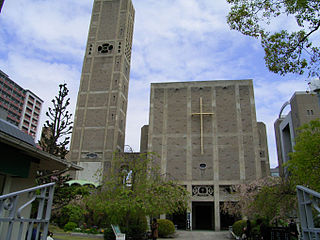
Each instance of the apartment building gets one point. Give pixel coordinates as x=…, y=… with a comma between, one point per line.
x=19, y=106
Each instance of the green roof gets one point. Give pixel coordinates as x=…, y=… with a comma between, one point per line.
x=82, y=183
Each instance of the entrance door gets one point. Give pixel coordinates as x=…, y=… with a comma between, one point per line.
x=180, y=220
x=203, y=215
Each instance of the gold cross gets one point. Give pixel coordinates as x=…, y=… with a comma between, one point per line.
x=201, y=114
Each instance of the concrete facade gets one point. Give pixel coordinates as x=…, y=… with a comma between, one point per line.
x=100, y=118
x=144, y=139
x=207, y=138
x=304, y=108
x=263, y=149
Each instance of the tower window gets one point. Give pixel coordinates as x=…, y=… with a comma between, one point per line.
x=310, y=112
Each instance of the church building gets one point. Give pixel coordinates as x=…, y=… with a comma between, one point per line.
x=205, y=133
x=208, y=139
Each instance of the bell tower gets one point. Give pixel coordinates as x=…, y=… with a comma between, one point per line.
x=100, y=117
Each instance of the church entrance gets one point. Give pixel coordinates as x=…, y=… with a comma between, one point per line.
x=202, y=215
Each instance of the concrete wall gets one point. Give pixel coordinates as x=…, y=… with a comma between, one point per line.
x=263, y=149
x=14, y=184
x=304, y=108
x=100, y=118
x=144, y=139
x=230, y=137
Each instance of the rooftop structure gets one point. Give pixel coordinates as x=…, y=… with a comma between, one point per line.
x=304, y=108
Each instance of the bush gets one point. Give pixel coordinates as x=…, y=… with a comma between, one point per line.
x=69, y=213
x=70, y=226
x=108, y=234
x=137, y=227
x=166, y=227
x=238, y=227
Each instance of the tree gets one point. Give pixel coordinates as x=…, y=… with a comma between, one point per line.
x=135, y=187
x=64, y=195
x=59, y=125
x=285, y=51
x=304, y=163
x=271, y=198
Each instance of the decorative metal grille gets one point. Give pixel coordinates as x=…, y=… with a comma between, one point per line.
x=11, y=218
x=202, y=190
x=308, y=201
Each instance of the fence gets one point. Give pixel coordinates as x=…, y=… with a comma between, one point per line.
x=13, y=224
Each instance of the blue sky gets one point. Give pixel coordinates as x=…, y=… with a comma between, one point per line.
x=42, y=44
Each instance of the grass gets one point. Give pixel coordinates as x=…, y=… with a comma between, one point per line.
x=67, y=236
x=55, y=229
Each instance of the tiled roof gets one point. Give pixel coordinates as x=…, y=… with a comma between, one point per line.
x=15, y=132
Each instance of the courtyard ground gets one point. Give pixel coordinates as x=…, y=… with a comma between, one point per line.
x=180, y=235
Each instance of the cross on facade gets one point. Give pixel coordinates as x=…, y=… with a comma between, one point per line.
x=201, y=114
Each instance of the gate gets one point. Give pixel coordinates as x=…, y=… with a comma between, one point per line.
x=13, y=224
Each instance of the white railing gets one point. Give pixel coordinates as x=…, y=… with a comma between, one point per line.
x=308, y=201
x=13, y=224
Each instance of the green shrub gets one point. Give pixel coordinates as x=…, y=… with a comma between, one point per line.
x=108, y=234
x=166, y=227
x=70, y=213
x=70, y=226
x=238, y=227
x=137, y=227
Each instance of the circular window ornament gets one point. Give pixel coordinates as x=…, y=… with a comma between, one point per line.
x=92, y=155
x=203, y=166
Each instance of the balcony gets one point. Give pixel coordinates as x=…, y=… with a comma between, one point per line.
x=13, y=111
x=28, y=112
x=29, y=109
x=9, y=91
x=14, y=119
x=26, y=123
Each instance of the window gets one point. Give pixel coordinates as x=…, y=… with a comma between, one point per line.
x=309, y=112
x=31, y=97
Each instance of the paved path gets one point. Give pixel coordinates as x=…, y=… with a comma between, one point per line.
x=200, y=235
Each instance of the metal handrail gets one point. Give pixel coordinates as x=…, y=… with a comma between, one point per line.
x=307, y=199
x=11, y=213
